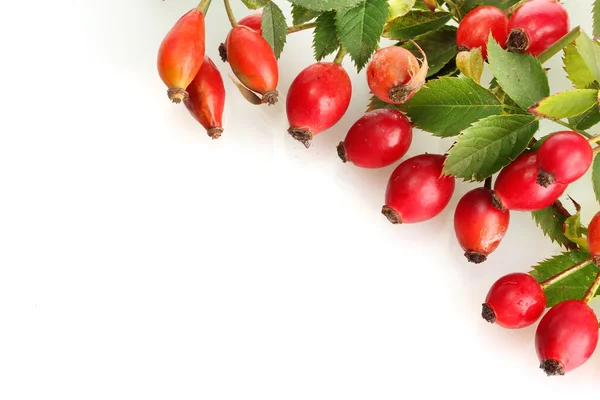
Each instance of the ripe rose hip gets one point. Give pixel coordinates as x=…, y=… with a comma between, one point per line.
x=514, y=301
x=537, y=25
x=206, y=99
x=566, y=337
x=516, y=187
x=253, y=62
x=253, y=21
x=593, y=238
x=564, y=157
x=181, y=54
x=389, y=73
x=475, y=28
x=318, y=98
x=417, y=191
x=379, y=138
x=479, y=226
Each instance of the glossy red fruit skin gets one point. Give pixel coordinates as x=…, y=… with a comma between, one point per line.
x=537, y=25
x=514, y=301
x=516, y=186
x=252, y=61
x=479, y=226
x=566, y=337
x=317, y=99
x=474, y=29
x=417, y=191
x=253, y=21
x=391, y=67
x=564, y=157
x=593, y=238
x=378, y=139
x=181, y=54
x=206, y=99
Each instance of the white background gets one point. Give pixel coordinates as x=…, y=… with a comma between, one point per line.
x=141, y=260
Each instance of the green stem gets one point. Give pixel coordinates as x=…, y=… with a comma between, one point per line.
x=230, y=15
x=597, y=150
x=592, y=290
x=561, y=44
x=584, y=133
x=340, y=55
x=567, y=272
x=512, y=9
x=298, y=28
x=203, y=6
x=488, y=183
x=594, y=139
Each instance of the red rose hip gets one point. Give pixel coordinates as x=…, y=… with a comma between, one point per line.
x=537, y=25
x=318, y=98
x=566, y=337
x=417, y=191
x=514, y=301
x=564, y=157
x=593, y=238
x=206, y=99
x=379, y=138
x=479, y=226
x=516, y=187
x=475, y=28
x=390, y=72
x=253, y=21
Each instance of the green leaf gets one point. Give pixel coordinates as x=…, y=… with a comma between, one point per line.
x=274, y=27
x=325, y=40
x=596, y=16
x=576, y=69
x=521, y=76
x=399, y=8
x=488, y=145
x=415, y=23
x=573, y=286
x=360, y=28
x=586, y=120
x=325, y=5
x=567, y=104
x=590, y=53
x=576, y=232
x=301, y=15
x=551, y=221
x=255, y=4
x=446, y=106
x=596, y=177
x=439, y=47
x=376, y=104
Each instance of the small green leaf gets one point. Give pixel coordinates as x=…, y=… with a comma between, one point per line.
x=446, y=106
x=586, y=120
x=573, y=286
x=399, y=8
x=551, y=221
x=439, y=47
x=376, y=104
x=596, y=177
x=325, y=5
x=470, y=63
x=301, y=15
x=576, y=69
x=488, y=145
x=567, y=104
x=590, y=53
x=596, y=16
x=415, y=23
x=576, y=232
x=325, y=40
x=360, y=28
x=521, y=76
x=274, y=27
x=255, y=4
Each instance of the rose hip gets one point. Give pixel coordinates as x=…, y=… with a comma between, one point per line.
x=479, y=226
x=379, y=138
x=537, y=25
x=476, y=26
x=318, y=98
x=566, y=337
x=514, y=301
x=206, y=99
x=564, y=157
x=389, y=73
x=181, y=54
x=593, y=238
x=253, y=21
x=417, y=191
x=516, y=187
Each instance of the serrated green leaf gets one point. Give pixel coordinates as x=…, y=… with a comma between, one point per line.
x=399, y=8
x=415, y=23
x=521, y=76
x=301, y=15
x=596, y=177
x=573, y=286
x=375, y=104
x=566, y=104
x=439, y=47
x=586, y=120
x=488, y=145
x=325, y=40
x=325, y=5
x=274, y=27
x=576, y=69
x=551, y=222
x=590, y=53
x=447, y=106
x=255, y=4
x=360, y=28
x=576, y=232
x=596, y=18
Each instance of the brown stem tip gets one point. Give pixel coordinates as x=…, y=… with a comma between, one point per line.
x=302, y=135
x=342, y=152
x=475, y=257
x=214, y=133
x=392, y=215
x=488, y=313
x=517, y=41
x=223, y=52
x=544, y=179
x=177, y=95
x=270, y=97
x=400, y=94
x=552, y=367
x=596, y=261
x=497, y=203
